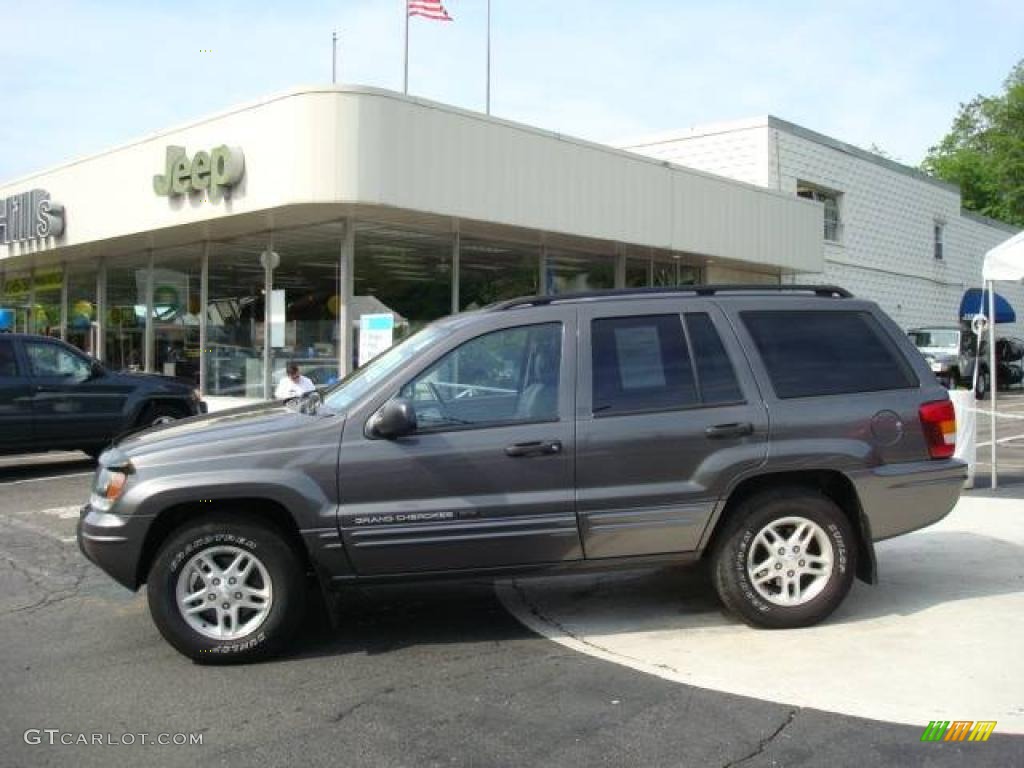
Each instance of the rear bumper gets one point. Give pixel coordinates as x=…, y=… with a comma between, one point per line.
x=113, y=542
x=900, y=498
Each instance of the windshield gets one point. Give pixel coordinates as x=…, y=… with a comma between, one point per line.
x=935, y=338
x=362, y=380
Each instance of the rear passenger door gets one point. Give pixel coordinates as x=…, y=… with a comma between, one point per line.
x=667, y=415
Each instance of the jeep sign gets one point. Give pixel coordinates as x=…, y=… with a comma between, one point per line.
x=221, y=168
x=30, y=216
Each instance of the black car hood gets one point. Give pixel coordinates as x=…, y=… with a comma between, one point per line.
x=152, y=381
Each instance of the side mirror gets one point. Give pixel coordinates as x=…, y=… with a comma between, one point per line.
x=310, y=402
x=396, y=418
x=96, y=370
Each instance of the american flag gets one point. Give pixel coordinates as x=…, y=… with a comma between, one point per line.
x=429, y=9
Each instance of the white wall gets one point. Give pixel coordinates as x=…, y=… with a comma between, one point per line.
x=886, y=248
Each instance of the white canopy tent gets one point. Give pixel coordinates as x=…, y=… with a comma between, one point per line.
x=1004, y=263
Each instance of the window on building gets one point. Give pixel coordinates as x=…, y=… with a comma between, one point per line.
x=809, y=354
x=829, y=199
x=939, y=235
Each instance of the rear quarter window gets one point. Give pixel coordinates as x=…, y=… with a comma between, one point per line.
x=817, y=353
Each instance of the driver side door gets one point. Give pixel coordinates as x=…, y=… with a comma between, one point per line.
x=69, y=408
x=486, y=480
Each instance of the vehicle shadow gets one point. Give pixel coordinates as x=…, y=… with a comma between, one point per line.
x=380, y=619
x=915, y=574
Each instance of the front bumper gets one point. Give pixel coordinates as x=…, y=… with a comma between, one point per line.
x=114, y=543
x=900, y=498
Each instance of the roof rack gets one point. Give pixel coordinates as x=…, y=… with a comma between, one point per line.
x=825, y=291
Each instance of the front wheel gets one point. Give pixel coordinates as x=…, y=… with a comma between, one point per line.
x=786, y=560
x=224, y=590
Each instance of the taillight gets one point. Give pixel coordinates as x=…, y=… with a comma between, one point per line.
x=939, y=422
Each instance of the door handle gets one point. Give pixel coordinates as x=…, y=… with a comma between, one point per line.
x=738, y=429
x=534, y=448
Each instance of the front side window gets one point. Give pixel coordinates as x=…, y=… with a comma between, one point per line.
x=640, y=364
x=502, y=377
x=49, y=360
x=816, y=353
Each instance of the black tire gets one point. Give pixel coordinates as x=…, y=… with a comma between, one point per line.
x=155, y=414
x=981, y=390
x=287, y=582
x=730, y=557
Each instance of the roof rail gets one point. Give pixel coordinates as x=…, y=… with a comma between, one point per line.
x=826, y=291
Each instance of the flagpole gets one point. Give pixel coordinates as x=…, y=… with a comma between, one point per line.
x=405, y=80
x=488, y=57
x=334, y=57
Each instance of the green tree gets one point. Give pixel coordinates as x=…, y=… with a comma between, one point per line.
x=984, y=152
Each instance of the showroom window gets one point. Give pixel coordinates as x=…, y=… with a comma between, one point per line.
x=177, y=292
x=575, y=271
x=234, y=318
x=403, y=273
x=81, y=308
x=124, y=327
x=15, y=301
x=493, y=271
x=830, y=200
x=47, y=284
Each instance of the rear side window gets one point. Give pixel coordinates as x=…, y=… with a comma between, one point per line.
x=640, y=364
x=8, y=363
x=812, y=353
x=715, y=375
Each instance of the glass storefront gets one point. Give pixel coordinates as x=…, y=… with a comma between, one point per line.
x=401, y=272
x=15, y=300
x=306, y=288
x=81, y=309
x=404, y=273
x=177, y=278
x=124, y=327
x=490, y=272
x=235, y=312
x=572, y=271
x=46, y=308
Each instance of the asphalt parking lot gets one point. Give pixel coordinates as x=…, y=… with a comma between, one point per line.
x=455, y=675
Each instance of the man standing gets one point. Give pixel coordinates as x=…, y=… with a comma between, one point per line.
x=293, y=384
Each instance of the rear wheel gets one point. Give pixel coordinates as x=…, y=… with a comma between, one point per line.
x=224, y=590
x=786, y=560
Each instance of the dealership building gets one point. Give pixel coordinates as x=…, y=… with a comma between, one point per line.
x=321, y=224
x=309, y=224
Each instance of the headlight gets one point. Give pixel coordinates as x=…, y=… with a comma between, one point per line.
x=108, y=488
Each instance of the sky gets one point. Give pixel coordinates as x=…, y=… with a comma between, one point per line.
x=80, y=77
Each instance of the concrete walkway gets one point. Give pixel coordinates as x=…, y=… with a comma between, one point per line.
x=941, y=637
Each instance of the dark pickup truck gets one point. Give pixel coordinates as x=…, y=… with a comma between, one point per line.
x=55, y=397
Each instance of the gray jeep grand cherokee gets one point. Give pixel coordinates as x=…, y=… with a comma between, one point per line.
x=774, y=432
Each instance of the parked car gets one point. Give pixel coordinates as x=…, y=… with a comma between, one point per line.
x=774, y=434
x=55, y=397
x=942, y=348
x=951, y=353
